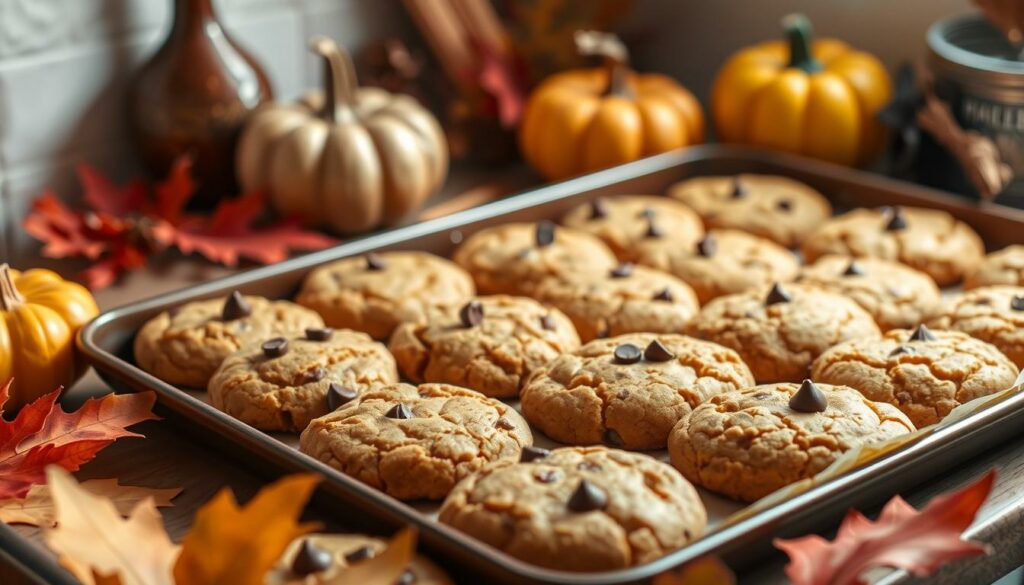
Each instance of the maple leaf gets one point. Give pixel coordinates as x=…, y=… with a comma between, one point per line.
x=91, y=538
x=498, y=78
x=902, y=537
x=220, y=548
x=385, y=568
x=37, y=508
x=174, y=191
x=104, y=196
x=703, y=571
x=63, y=231
x=104, y=273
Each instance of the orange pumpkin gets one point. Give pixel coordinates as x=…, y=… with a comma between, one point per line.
x=584, y=120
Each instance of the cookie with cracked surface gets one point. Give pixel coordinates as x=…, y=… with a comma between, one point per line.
x=513, y=258
x=992, y=313
x=376, y=292
x=724, y=262
x=748, y=443
x=492, y=353
x=591, y=396
x=186, y=345
x=625, y=299
x=579, y=509
x=316, y=558
x=781, y=209
x=779, y=331
x=416, y=442
x=1004, y=266
x=630, y=224
x=928, y=240
x=926, y=375
x=895, y=294
x=284, y=392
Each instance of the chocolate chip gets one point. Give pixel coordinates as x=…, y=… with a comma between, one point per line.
x=339, y=395
x=235, y=307
x=653, y=231
x=896, y=220
x=547, y=322
x=319, y=334
x=548, y=476
x=853, y=269
x=311, y=559
x=808, y=399
x=504, y=424
x=1017, y=303
x=902, y=349
x=627, y=353
x=784, y=205
x=375, y=263
x=532, y=454
x=922, y=333
x=656, y=352
x=707, y=246
x=983, y=301
x=622, y=270
x=777, y=295
x=545, y=235
x=360, y=554
x=471, y=314
x=587, y=498
x=739, y=188
x=275, y=348
x=664, y=294
x=613, y=438
x=598, y=209
x=315, y=375
x=407, y=578
x=400, y=411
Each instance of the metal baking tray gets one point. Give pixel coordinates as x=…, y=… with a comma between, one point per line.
x=107, y=343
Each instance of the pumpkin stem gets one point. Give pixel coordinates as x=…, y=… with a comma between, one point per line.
x=340, y=81
x=798, y=34
x=10, y=298
x=616, y=58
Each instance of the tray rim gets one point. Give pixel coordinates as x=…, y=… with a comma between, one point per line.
x=110, y=366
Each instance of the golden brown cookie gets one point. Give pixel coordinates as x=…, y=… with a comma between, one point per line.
x=922, y=372
x=895, y=294
x=376, y=292
x=748, y=443
x=490, y=344
x=993, y=313
x=579, y=509
x=513, y=258
x=1004, y=266
x=416, y=443
x=778, y=332
x=281, y=387
x=629, y=391
x=630, y=224
x=778, y=208
x=724, y=262
x=186, y=345
x=928, y=240
x=316, y=558
x=624, y=299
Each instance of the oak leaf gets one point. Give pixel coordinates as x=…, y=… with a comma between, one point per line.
x=902, y=537
x=37, y=508
x=385, y=568
x=703, y=571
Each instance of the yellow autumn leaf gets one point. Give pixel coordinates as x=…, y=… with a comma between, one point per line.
x=91, y=537
x=37, y=507
x=385, y=568
x=703, y=571
x=228, y=545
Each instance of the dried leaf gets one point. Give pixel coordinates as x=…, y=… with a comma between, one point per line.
x=703, y=571
x=174, y=191
x=902, y=537
x=91, y=538
x=37, y=508
x=385, y=568
x=101, y=194
x=104, y=273
x=62, y=231
x=498, y=78
x=220, y=547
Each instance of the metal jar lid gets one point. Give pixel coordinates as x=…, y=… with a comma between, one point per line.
x=968, y=48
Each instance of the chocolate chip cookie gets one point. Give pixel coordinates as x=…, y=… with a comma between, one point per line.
x=724, y=262
x=579, y=508
x=624, y=299
x=376, y=292
x=992, y=313
x=631, y=223
x=283, y=383
x=416, y=443
x=748, y=443
x=895, y=294
x=513, y=258
x=1004, y=266
x=629, y=391
x=928, y=240
x=779, y=331
x=490, y=344
x=778, y=208
x=187, y=344
x=318, y=558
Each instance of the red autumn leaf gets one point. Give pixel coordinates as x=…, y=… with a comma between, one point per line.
x=174, y=191
x=498, y=78
x=43, y=434
x=124, y=258
x=104, y=196
x=63, y=231
x=902, y=538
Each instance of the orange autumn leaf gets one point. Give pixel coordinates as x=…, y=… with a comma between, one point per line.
x=385, y=568
x=37, y=507
x=228, y=545
x=902, y=537
x=703, y=571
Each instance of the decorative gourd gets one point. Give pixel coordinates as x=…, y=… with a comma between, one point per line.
x=583, y=120
x=348, y=161
x=40, y=314
x=818, y=100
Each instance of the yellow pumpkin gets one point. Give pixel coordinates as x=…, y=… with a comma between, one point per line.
x=583, y=120
x=40, y=314
x=350, y=160
x=819, y=99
